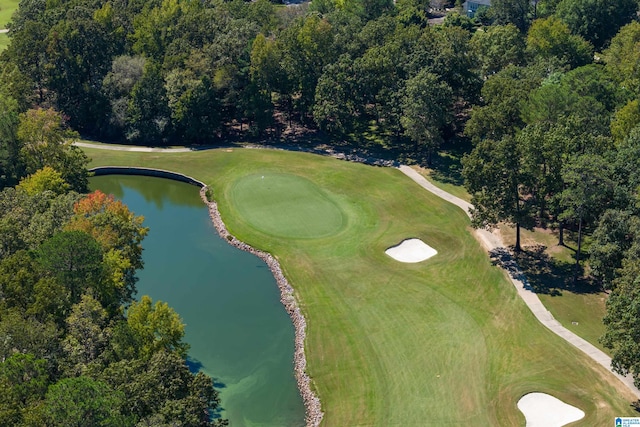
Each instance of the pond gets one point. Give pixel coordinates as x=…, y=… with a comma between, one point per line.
x=237, y=328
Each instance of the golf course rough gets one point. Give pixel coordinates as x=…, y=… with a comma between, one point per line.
x=286, y=205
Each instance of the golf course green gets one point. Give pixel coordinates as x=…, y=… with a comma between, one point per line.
x=287, y=206
x=446, y=341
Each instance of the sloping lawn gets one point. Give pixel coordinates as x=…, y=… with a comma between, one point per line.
x=4, y=41
x=442, y=342
x=7, y=7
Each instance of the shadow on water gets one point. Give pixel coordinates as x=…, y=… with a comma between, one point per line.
x=194, y=365
x=218, y=384
x=153, y=190
x=541, y=273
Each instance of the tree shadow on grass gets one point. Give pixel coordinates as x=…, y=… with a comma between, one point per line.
x=447, y=166
x=543, y=274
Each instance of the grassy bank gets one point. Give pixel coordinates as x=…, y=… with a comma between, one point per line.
x=443, y=342
x=7, y=7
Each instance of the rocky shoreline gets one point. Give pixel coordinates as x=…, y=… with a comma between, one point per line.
x=313, y=409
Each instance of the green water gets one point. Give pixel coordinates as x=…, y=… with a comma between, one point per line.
x=239, y=332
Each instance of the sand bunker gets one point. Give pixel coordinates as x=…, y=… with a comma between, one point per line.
x=543, y=410
x=411, y=250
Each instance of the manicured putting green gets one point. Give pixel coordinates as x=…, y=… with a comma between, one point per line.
x=286, y=205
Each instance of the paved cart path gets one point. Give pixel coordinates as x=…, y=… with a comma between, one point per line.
x=492, y=242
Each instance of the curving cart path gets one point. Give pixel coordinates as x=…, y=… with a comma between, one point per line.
x=489, y=240
x=492, y=242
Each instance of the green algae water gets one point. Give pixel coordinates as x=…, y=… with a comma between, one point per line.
x=237, y=328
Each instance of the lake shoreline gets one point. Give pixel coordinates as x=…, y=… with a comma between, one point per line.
x=312, y=405
x=313, y=409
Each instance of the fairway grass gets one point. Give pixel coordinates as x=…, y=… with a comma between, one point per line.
x=443, y=342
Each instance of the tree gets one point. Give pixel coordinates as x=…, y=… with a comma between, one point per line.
x=617, y=231
x=624, y=120
x=45, y=179
x=23, y=382
x=504, y=94
x=337, y=107
x=426, y=106
x=162, y=390
x=86, y=335
x=74, y=258
x=621, y=320
x=307, y=47
x=79, y=51
x=625, y=170
x=51, y=301
x=597, y=21
x=544, y=150
x=547, y=103
x=17, y=279
x=514, y=12
x=83, y=402
x=623, y=57
x=592, y=81
x=498, y=46
x=126, y=72
x=452, y=62
x=27, y=53
x=156, y=327
x=26, y=221
x=588, y=189
x=378, y=82
x=551, y=37
x=10, y=162
x=27, y=335
x=46, y=141
x=499, y=185
x=119, y=233
x=266, y=64
x=457, y=20
x=194, y=106
x=149, y=117
x=367, y=10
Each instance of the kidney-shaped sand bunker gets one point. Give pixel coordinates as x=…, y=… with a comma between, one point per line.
x=411, y=250
x=544, y=410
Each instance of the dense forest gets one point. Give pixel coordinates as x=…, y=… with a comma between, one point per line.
x=546, y=94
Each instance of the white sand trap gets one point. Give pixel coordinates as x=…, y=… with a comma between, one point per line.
x=411, y=250
x=543, y=410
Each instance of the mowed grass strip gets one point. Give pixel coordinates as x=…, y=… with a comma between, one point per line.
x=442, y=342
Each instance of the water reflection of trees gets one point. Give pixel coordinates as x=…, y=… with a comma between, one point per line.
x=154, y=190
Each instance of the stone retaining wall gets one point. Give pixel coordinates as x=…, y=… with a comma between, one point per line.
x=159, y=173
x=313, y=410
